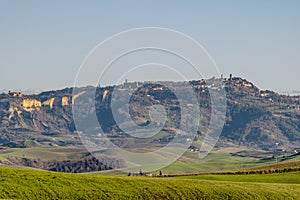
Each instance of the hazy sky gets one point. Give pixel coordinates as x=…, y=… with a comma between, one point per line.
x=43, y=43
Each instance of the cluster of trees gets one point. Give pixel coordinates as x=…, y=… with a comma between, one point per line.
x=85, y=164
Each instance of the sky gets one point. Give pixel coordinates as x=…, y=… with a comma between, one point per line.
x=43, y=43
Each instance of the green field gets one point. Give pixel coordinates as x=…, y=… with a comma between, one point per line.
x=219, y=160
x=34, y=184
x=45, y=153
x=25, y=183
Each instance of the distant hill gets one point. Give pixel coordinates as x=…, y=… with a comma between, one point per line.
x=255, y=118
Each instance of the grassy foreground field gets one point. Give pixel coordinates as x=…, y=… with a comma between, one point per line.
x=35, y=184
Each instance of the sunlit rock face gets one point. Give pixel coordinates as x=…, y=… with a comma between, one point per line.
x=29, y=103
x=65, y=101
x=49, y=102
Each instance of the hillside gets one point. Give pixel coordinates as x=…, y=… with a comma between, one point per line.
x=33, y=184
x=255, y=118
